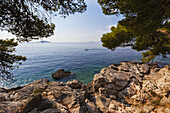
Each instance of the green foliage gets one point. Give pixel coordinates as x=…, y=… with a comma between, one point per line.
x=119, y=36
x=29, y=19
x=7, y=58
x=146, y=20
x=38, y=90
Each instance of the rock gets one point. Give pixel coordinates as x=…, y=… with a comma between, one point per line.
x=99, y=81
x=129, y=83
x=148, y=108
x=92, y=108
x=2, y=89
x=62, y=108
x=121, y=88
x=73, y=99
x=45, y=104
x=116, y=79
x=51, y=110
x=36, y=87
x=61, y=73
x=167, y=110
x=135, y=67
x=34, y=111
x=4, y=97
x=102, y=103
x=75, y=84
x=165, y=100
x=113, y=97
x=114, y=105
x=102, y=91
x=29, y=104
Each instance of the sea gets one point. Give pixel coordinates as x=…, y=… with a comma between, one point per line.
x=84, y=59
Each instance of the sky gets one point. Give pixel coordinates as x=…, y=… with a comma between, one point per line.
x=80, y=27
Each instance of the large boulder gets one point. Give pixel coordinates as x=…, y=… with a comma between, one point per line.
x=61, y=73
x=115, y=81
x=131, y=83
x=75, y=84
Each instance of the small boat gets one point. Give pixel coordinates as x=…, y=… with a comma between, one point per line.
x=86, y=49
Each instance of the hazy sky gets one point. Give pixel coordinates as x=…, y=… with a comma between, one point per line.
x=88, y=26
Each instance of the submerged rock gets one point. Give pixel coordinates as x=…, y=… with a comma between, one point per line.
x=61, y=73
x=124, y=88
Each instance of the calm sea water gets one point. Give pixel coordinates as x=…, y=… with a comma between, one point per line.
x=45, y=59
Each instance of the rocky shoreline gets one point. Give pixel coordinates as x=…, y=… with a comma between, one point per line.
x=128, y=87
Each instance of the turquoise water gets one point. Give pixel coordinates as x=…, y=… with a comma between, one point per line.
x=45, y=59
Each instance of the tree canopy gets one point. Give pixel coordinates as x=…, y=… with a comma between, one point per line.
x=145, y=26
x=28, y=20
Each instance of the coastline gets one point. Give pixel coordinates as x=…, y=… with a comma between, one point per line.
x=71, y=57
x=125, y=87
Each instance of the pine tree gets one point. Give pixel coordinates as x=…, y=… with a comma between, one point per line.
x=146, y=21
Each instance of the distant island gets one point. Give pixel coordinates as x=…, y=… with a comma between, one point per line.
x=43, y=42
